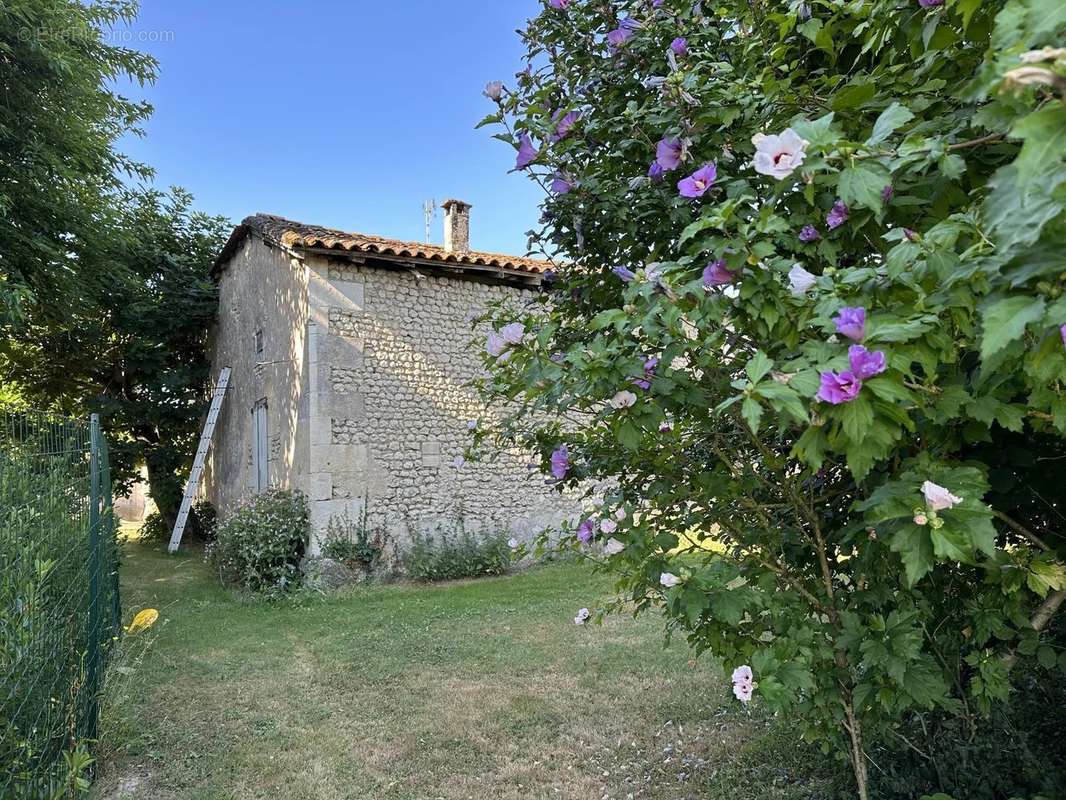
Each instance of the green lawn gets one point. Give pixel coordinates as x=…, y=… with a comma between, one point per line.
x=479, y=689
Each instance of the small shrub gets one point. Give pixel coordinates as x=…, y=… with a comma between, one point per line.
x=454, y=552
x=202, y=521
x=201, y=526
x=355, y=543
x=154, y=529
x=259, y=548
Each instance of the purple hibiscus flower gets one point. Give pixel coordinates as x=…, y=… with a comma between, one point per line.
x=559, y=4
x=650, y=365
x=668, y=153
x=838, y=215
x=716, y=274
x=930, y=3
x=626, y=275
x=679, y=46
x=866, y=364
x=623, y=33
x=656, y=172
x=560, y=185
x=839, y=387
x=560, y=462
x=809, y=233
x=563, y=126
x=1062, y=330
x=851, y=322
x=887, y=193
x=586, y=531
x=527, y=153
x=697, y=184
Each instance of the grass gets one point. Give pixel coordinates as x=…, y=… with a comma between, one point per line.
x=479, y=689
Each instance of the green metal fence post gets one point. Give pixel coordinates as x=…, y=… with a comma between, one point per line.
x=115, y=606
x=92, y=656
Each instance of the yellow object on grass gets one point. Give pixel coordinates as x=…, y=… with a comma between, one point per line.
x=143, y=621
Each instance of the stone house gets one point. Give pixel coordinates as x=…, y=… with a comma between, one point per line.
x=350, y=357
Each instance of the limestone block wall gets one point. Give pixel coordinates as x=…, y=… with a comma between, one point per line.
x=389, y=360
x=262, y=290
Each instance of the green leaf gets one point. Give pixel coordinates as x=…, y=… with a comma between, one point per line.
x=982, y=532
x=784, y=398
x=951, y=545
x=952, y=165
x=891, y=119
x=1011, y=416
x=810, y=447
x=1044, y=132
x=731, y=401
x=729, y=606
x=883, y=328
x=491, y=119
x=697, y=227
x=856, y=418
x=1006, y=320
x=758, y=367
x=629, y=436
x=810, y=28
x=1045, y=21
x=606, y=318
x=1017, y=213
x=967, y=8
x=860, y=460
x=818, y=133
x=1044, y=577
x=1047, y=657
x=862, y=183
x=915, y=550
x=806, y=382
x=853, y=96
x=890, y=388
x=752, y=412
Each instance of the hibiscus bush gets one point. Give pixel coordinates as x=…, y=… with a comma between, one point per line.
x=806, y=342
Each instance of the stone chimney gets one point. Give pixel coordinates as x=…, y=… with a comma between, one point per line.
x=456, y=226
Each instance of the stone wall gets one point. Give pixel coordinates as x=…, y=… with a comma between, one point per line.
x=390, y=365
x=263, y=290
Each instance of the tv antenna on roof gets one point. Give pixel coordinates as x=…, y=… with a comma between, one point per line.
x=429, y=208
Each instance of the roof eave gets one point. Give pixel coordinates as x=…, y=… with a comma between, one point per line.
x=362, y=256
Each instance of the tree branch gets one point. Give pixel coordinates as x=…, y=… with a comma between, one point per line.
x=1052, y=603
x=1020, y=529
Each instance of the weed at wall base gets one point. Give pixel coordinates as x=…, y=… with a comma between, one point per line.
x=452, y=551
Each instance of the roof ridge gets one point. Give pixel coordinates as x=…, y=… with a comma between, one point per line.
x=299, y=234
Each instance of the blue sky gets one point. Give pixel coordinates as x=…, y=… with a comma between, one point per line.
x=344, y=113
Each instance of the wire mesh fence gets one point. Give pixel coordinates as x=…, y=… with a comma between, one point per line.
x=59, y=601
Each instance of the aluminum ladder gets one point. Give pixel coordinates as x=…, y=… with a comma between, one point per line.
x=198, y=463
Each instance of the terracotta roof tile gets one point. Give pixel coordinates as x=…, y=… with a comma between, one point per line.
x=300, y=236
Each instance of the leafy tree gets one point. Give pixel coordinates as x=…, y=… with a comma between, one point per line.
x=137, y=353
x=59, y=122
x=810, y=343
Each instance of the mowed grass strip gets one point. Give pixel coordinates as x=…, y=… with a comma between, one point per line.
x=477, y=689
